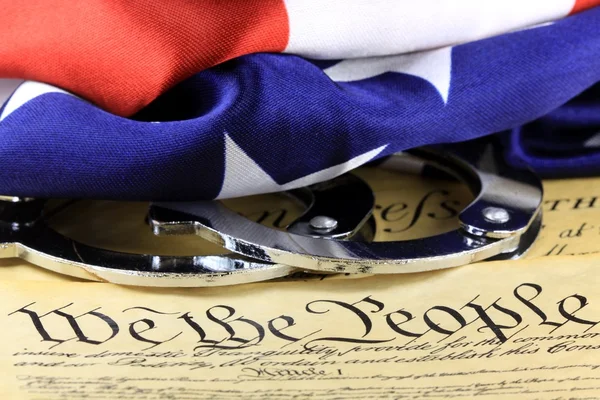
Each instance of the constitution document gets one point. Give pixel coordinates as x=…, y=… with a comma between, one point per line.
x=507, y=329
x=521, y=329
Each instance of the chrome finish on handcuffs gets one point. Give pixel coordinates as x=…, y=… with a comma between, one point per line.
x=24, y=233
x=333, y=235
x=502, y=222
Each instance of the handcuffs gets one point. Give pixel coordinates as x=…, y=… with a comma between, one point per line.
x=334, y=235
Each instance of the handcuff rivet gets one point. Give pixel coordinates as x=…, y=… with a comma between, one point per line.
x=496, y=215
x=322, y=224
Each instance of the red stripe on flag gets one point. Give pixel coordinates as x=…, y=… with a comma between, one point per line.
x=581, y=5
x=121, y=54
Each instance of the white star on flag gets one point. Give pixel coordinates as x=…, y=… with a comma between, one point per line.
x=593, y=141
x=244, y=177
x=434, y=66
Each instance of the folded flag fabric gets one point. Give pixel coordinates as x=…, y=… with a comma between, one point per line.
x=121, y=55
x=563, y=143
x=269, y=122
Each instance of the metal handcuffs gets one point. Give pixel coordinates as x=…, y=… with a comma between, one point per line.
x=333, y=235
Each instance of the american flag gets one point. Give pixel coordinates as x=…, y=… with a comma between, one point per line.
x=181, y=100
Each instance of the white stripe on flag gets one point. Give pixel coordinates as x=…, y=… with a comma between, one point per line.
x=333, y=29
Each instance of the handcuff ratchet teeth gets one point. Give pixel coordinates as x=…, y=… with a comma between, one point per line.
x=335, y=234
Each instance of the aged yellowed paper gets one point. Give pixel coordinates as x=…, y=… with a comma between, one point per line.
x=523, y=329
x=519, y=329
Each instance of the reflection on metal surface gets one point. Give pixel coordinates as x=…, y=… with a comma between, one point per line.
x=41, y=245
x=517, y=193
x=334, y=234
